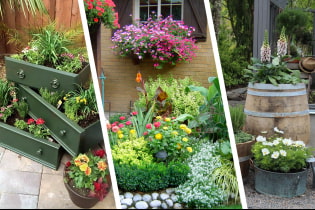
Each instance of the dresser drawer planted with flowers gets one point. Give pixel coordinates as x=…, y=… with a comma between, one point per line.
x=73, y=138
x=38, y=76
x=24, y=143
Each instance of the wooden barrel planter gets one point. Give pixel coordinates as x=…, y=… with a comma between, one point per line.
x=284, y=106
x=244, y=156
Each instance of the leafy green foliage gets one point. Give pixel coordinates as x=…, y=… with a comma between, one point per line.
x=274, y=73
x=237, y=117
x=241, y=137
x=5, y=90
x=51, y=97
x=22, y=108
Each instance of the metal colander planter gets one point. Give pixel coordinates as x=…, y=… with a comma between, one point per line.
x=284, y=106
x=38, y=76
x=73, y=138
x=280, y=184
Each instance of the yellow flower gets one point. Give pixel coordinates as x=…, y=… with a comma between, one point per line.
x=88, y=171
x=119, y=132
x=83, y=167
x=187, y=130
x=158, y=117
x=121, y=136
x=158, y=136
x=81, y=159
x=185, y=139
x=183, y=126
x=165, y=127
x=189, y=149
x=77, y=99
x=102, y=165
x=83, y=101
x=175, y=133
x=132, y=131
x=167, y=119
x=179, y=146
x=65, y=98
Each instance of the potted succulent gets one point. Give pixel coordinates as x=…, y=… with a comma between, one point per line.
x=276, y=95
x=165, y=41
x=280, y=165
x=49, y=56
x=243, y=140
x=86, y=178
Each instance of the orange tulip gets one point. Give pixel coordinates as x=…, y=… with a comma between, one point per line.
x=139, y=77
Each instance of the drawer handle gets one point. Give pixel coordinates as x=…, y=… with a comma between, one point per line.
x=63, y=132
x=55, y=83
x=21, y=74
x=39, y=152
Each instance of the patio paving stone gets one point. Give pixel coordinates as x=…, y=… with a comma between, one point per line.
x=18, y=201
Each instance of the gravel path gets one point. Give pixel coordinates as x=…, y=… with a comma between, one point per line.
x=256, y=200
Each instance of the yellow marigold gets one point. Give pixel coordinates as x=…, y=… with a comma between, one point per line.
x=183, y=126
x=132, y=131
x=165, y=128
x=167, y=119
x=179, y=146
x=81, y=159
x=185, y=139
x=119, y=132
x=121, y=136
x=158, y=117
x=189, y=149
x=88, y=171
x=83, y=167
x=158, y=136
x=101, y=165
x=175, y=133
x=187, y=130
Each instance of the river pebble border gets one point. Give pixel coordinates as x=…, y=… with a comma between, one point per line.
x=165, y=199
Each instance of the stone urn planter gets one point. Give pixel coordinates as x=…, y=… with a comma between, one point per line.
x=284, y=106
x=38, y=76
x=280, y=184
x=24, y=143
x=73, y=138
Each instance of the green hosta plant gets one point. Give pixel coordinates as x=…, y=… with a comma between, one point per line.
x=279, y=154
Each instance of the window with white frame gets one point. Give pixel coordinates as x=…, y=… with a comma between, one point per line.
x=144, y=9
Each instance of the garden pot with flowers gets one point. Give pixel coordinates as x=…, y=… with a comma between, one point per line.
x=280, y=165
x=49, y=61
x=87, y=179
x=164, y=41
x=276, y=95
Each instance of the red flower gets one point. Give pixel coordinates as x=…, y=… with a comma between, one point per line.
x=122, y=118
x=115, y=129
x=128, y=123
x=95, y=20
x=97, y=186
x=40, y=121
x=148, y=126
x=145, y=133
x=15, y=100
x=157, y=124
x=68, y=164
x=121, y=125
x=134, y=113
x=100, y=153
x=30, y=121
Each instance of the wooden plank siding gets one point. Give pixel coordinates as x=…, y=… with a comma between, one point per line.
x=120, y=84
x=66, y=13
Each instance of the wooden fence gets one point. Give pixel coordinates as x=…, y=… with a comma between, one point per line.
x=66, y=13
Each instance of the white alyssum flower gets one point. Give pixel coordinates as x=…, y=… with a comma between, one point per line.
x=260, y=138
x=287, y=142
x=265, y=151
x=276, y=129
x=283, y=153
x=267, y=143
x=275, y=155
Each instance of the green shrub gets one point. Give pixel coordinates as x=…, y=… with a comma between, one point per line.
x=238, y=117
x=177, y=173
x=5, y=89
x=241, y=137
x=181, y=101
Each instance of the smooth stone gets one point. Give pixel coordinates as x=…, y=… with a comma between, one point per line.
x=124, y=206
x=121, y=197
x=126, y=201
x=169, y=202
x=164, y=206
x=142, y=205
x=155, y=196
x=164, y=196
x=170, y=190
x=137, y=197
x=146, y=198
x=155, y=203
x=128, y=195
x=177, y=206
